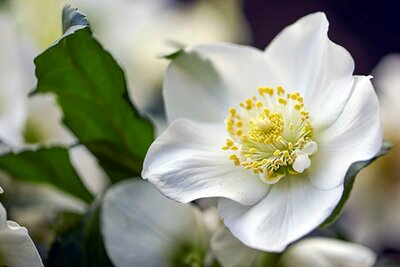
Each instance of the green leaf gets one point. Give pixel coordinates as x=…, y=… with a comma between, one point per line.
x=96, y=255
x=265, y=259
x=67, y=248
x=91, y=90
x=171, y=55
x=349, y=182
x=81, y=244
x=46, y=165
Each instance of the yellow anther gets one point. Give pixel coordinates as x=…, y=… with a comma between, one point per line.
x=249, y=103
x=232, y=111
x=234, y=148
x=259, y=104
x=253, y=150
x=239, y=132
x=282, y=101
x=229, y=142
x=239, y=123
x=290, y=145
x=269, y=90
x=280, y=89
x=277, y=152
x=297, y=106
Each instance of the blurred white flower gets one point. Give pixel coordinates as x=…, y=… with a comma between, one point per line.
x=317, y=252
x=16, y=247
x=373, y=211
x=276, y=158
x=310, y=252
x=31, y=122
x=143, y=228
x=230, y=252
x=135, y=31
x=14, y=79
x=387, y=82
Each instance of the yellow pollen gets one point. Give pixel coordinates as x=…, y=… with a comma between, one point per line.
x=282, y=101
x=267, y=131
x=280, y=90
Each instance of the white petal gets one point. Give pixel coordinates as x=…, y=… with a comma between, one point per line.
x=229, y=251
x=206, y=80
x=88, y=168
x=316, y=252
x=302, y=58
x=301, y=163
x=16, y=247
x=291, y=209
x=355, y=136
x=143, y=228
x=12, y=116
x=186, y=163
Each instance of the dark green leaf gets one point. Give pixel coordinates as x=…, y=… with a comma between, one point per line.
x=46, y=165
x=265, y=259
x=95, y=252
x=172, y=55
x=68, y=242
x=91, y=90
x=81, y=244
x=349, y=181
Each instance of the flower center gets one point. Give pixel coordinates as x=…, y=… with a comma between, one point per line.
x=271, y=134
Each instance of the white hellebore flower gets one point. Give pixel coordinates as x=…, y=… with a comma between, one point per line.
x=16, y=247
x=309, y=252
x=143, y=228
x=275, y=156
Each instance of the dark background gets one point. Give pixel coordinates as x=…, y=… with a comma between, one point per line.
x=368, y=29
